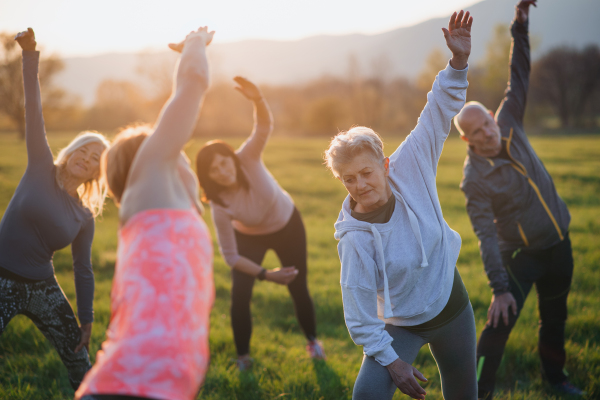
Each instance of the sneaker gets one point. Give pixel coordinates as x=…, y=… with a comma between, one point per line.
x=244, y=362
x=568, y=388
x=315, y=350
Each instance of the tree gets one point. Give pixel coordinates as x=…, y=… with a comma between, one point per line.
x=435, y=62
x=12, y=100
x=568, y=81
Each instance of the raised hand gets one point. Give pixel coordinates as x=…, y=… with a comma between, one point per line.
x=458, y=38
x=522, y=10
x=247, y=88
x=201, y=33
x=26, y=40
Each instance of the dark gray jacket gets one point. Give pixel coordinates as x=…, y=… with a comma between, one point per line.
x=512, y=203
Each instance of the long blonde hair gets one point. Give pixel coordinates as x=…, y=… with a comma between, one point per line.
x=93, y=192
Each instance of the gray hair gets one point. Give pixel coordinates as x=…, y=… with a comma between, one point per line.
x=346, y=145
x=467, y=106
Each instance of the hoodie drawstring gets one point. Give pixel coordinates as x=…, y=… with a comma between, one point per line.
x=387, y=304
x=414, y=224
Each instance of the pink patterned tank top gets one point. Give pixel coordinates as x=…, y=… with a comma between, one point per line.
x=162, y=293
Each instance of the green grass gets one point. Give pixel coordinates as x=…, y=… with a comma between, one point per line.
x=31, y=369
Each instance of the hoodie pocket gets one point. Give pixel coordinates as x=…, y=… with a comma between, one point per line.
x=522, y=233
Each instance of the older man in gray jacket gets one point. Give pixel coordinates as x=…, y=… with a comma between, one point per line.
x=520, y=220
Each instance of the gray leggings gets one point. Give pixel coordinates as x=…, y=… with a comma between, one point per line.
x=452, y=346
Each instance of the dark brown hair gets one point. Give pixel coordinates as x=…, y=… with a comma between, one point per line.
x=116, y=161
x=204, y=159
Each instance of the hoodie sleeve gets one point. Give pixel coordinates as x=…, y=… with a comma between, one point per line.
x=359, y=295
x=444, y=101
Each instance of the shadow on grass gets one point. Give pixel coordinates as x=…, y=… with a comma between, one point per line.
x=278, y=313
x=249, y=387
x=330, y=384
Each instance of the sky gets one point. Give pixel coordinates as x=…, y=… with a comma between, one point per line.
x=83, y=27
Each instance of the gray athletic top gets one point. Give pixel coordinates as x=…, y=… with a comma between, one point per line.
x=42, y=218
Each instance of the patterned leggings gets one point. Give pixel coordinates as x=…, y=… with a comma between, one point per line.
x=47, y=306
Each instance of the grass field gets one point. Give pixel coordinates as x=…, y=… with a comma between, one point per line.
x=31, y=369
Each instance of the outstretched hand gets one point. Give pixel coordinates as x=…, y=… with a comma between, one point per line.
x=26, y=40
x=247, y=88
x=201, y=33
x=458, y=38
x=522, y=10
x=282, y=276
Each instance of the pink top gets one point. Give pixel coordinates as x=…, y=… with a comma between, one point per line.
x=157, y=340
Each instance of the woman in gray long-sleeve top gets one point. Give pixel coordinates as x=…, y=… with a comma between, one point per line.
x=53, y=206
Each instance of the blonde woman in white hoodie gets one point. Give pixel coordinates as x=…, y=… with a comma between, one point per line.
x=400, y=285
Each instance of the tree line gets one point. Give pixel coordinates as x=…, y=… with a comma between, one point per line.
x=564, y=93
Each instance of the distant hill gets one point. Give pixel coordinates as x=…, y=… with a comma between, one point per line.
x=402, y=51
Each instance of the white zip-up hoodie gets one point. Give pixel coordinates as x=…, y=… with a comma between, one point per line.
x=401, y=272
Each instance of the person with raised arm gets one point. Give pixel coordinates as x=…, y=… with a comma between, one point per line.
x=253, y=214
x=157, y=341
x=401, y=288
x=520, y=220
x=53, y=206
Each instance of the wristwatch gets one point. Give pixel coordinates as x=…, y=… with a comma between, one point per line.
x=262, y=274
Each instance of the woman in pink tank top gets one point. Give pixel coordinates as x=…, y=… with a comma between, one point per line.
x=157, y=340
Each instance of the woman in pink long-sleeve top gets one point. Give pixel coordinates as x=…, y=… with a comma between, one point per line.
x=253, y=214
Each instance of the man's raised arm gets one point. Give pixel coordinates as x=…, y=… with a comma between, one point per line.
x=520, y=66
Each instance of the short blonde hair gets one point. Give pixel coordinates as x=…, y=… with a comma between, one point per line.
x=346, y=145
x=93, y=192
x=116, y=162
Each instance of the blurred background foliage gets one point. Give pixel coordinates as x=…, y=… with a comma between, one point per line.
x=564, y=94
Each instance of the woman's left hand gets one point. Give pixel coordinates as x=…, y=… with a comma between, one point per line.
x=247, y=88
x=458, y=39
x=86, y=334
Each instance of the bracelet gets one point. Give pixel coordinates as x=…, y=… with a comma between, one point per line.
x=262, y=274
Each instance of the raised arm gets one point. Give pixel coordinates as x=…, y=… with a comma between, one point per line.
x=263, y=120
x=38, y=150
x=178, y=116
x=446, y=98
x=515, y=97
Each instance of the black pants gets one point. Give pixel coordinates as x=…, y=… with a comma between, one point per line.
x=289, y=244
x=551, y=271
x=47, y=306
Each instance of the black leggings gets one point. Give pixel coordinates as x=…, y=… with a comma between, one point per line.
x=289, y=244
x=46, y=305
x=551, y=271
